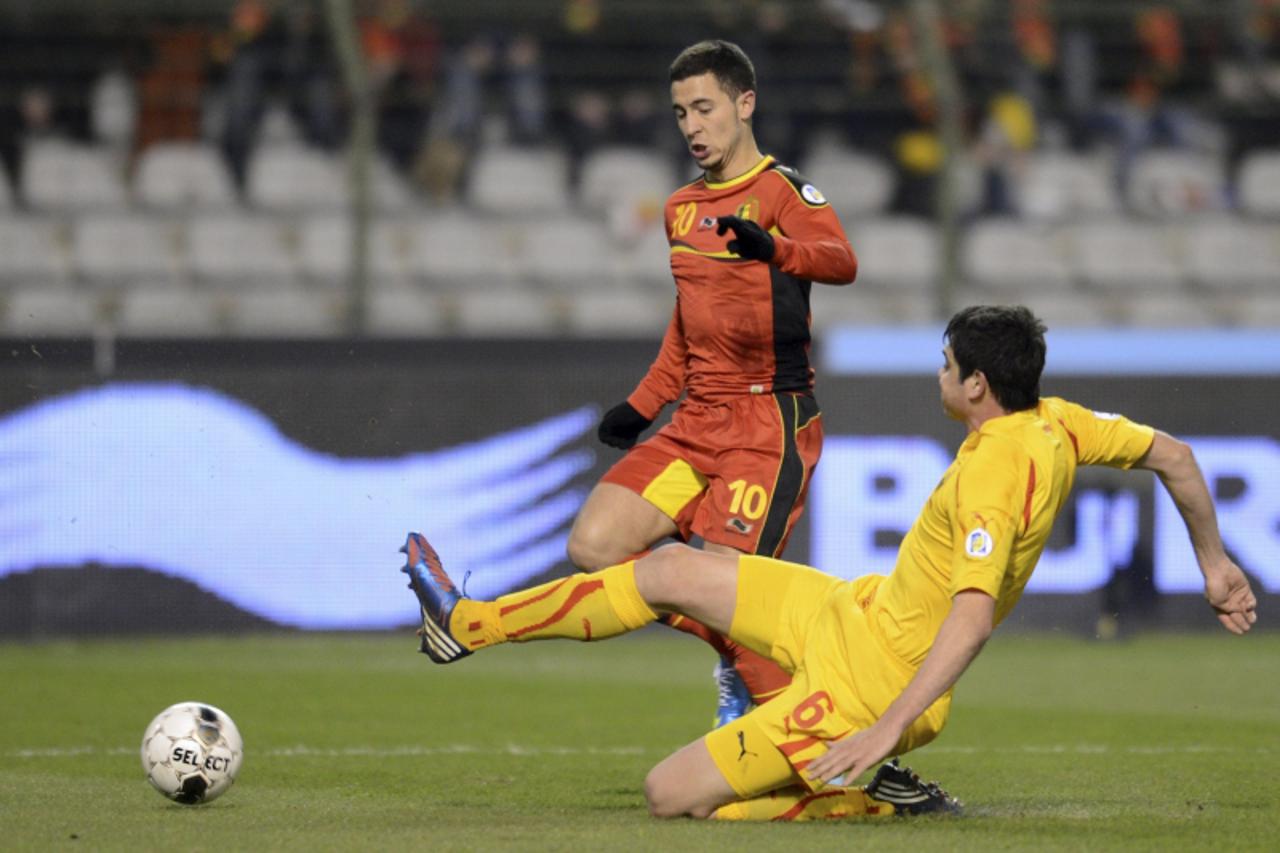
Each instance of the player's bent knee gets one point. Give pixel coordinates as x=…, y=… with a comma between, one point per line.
x=663, y=795
x=585, y=552
x=659, y=575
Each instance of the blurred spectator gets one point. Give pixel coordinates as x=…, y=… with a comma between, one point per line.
x=526, y=90
x=286, y=58
x=402, y=49
x=1007, y=133
x=465, y=118
x=113, y=110
x=171, y=85
x=1145, y=116
x=590, y=127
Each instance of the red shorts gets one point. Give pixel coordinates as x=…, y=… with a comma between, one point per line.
x=734, y=473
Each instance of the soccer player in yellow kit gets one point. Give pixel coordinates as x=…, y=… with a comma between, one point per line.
x=875, y=659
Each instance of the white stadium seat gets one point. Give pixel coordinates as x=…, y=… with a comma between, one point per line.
x=1125, y=255
x=1010, y=255
x=147, y=311
x=51, y=309
x=177, y=176
x=1171, y=182
x=326, y=247
x=634, y=312
x=1058, y=185
x=457, y=250
x=286, y=311
x=566, y=253
x=624, y=175
x=120, y=248
x=32, y=249
x=66, y=177
x=860, y=306
x=506, y=311
x=404, y=311
x=1258, y=183
x=895, y=252
x=1226, y=254
x=240, y=250
x=855, y=183
x=646, y=260
x=508, y=180
x=288, y=178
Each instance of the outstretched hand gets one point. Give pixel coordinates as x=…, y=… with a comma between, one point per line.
x=1231, y=597
x=853, y=755
x=750, y=240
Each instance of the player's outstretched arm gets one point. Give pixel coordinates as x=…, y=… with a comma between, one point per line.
x=961, y=637
x=1225, y=585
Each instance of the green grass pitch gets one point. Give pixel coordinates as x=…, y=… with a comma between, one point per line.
x=358, y=743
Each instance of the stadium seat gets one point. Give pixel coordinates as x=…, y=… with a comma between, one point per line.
x=51, y=309
x=150, y=311
x=1125, y=255
x=625, y=176
x=854, y=182
x=1057, y=185
x=646, y=260
x=1174, y=309
x=287, y=311
x=457, y=250
x=634, y=312
x=1172, y=182
x=240, y=250
x=177, y=176
x=1254, y=310
x=32, y=249
x=1226, y=254
x=1011, y=256
x=507, y=180
x=566, y=253
x=404, y=311
x=859, y=306
x=325, y=248
x=66, y=177
x=1258, y=183
x=288, y=178
x=507, y=311
x=1075, y=309
x=112, y=249
x=6, y=191
x=895, y=252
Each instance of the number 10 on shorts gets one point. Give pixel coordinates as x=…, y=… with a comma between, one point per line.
x=749, y=498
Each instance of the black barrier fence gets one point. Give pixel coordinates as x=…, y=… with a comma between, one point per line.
x=232, y=485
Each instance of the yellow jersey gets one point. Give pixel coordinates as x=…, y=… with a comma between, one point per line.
x=987, y=521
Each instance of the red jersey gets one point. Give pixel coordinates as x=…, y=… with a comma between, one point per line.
x=742, y=326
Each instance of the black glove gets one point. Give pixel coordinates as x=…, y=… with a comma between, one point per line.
x=621, y=426
x=750, y=240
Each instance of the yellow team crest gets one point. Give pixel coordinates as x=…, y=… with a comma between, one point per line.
x=749, y=209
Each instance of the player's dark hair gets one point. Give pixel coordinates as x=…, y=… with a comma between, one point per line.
x=1005, y=342
x=728, y=62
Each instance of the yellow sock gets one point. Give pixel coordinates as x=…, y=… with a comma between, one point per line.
x=579, y=607
x=799, y=803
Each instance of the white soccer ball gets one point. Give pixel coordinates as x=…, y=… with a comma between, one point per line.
x=192, y=752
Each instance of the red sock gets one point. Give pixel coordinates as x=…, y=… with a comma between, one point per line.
x=763, y=677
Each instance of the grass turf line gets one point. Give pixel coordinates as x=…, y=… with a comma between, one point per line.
x=356, y=742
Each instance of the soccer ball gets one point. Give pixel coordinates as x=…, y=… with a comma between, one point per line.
x=192, y=752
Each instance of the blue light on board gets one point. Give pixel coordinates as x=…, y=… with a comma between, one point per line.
x=195, y=484
x=910, y=350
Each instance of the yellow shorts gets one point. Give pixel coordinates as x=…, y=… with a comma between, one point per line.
x=843, y=678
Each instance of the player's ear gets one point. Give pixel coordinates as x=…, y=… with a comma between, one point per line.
x=975, y=385
x=746, y=105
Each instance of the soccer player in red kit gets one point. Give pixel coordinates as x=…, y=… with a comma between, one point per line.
x=747, y=240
